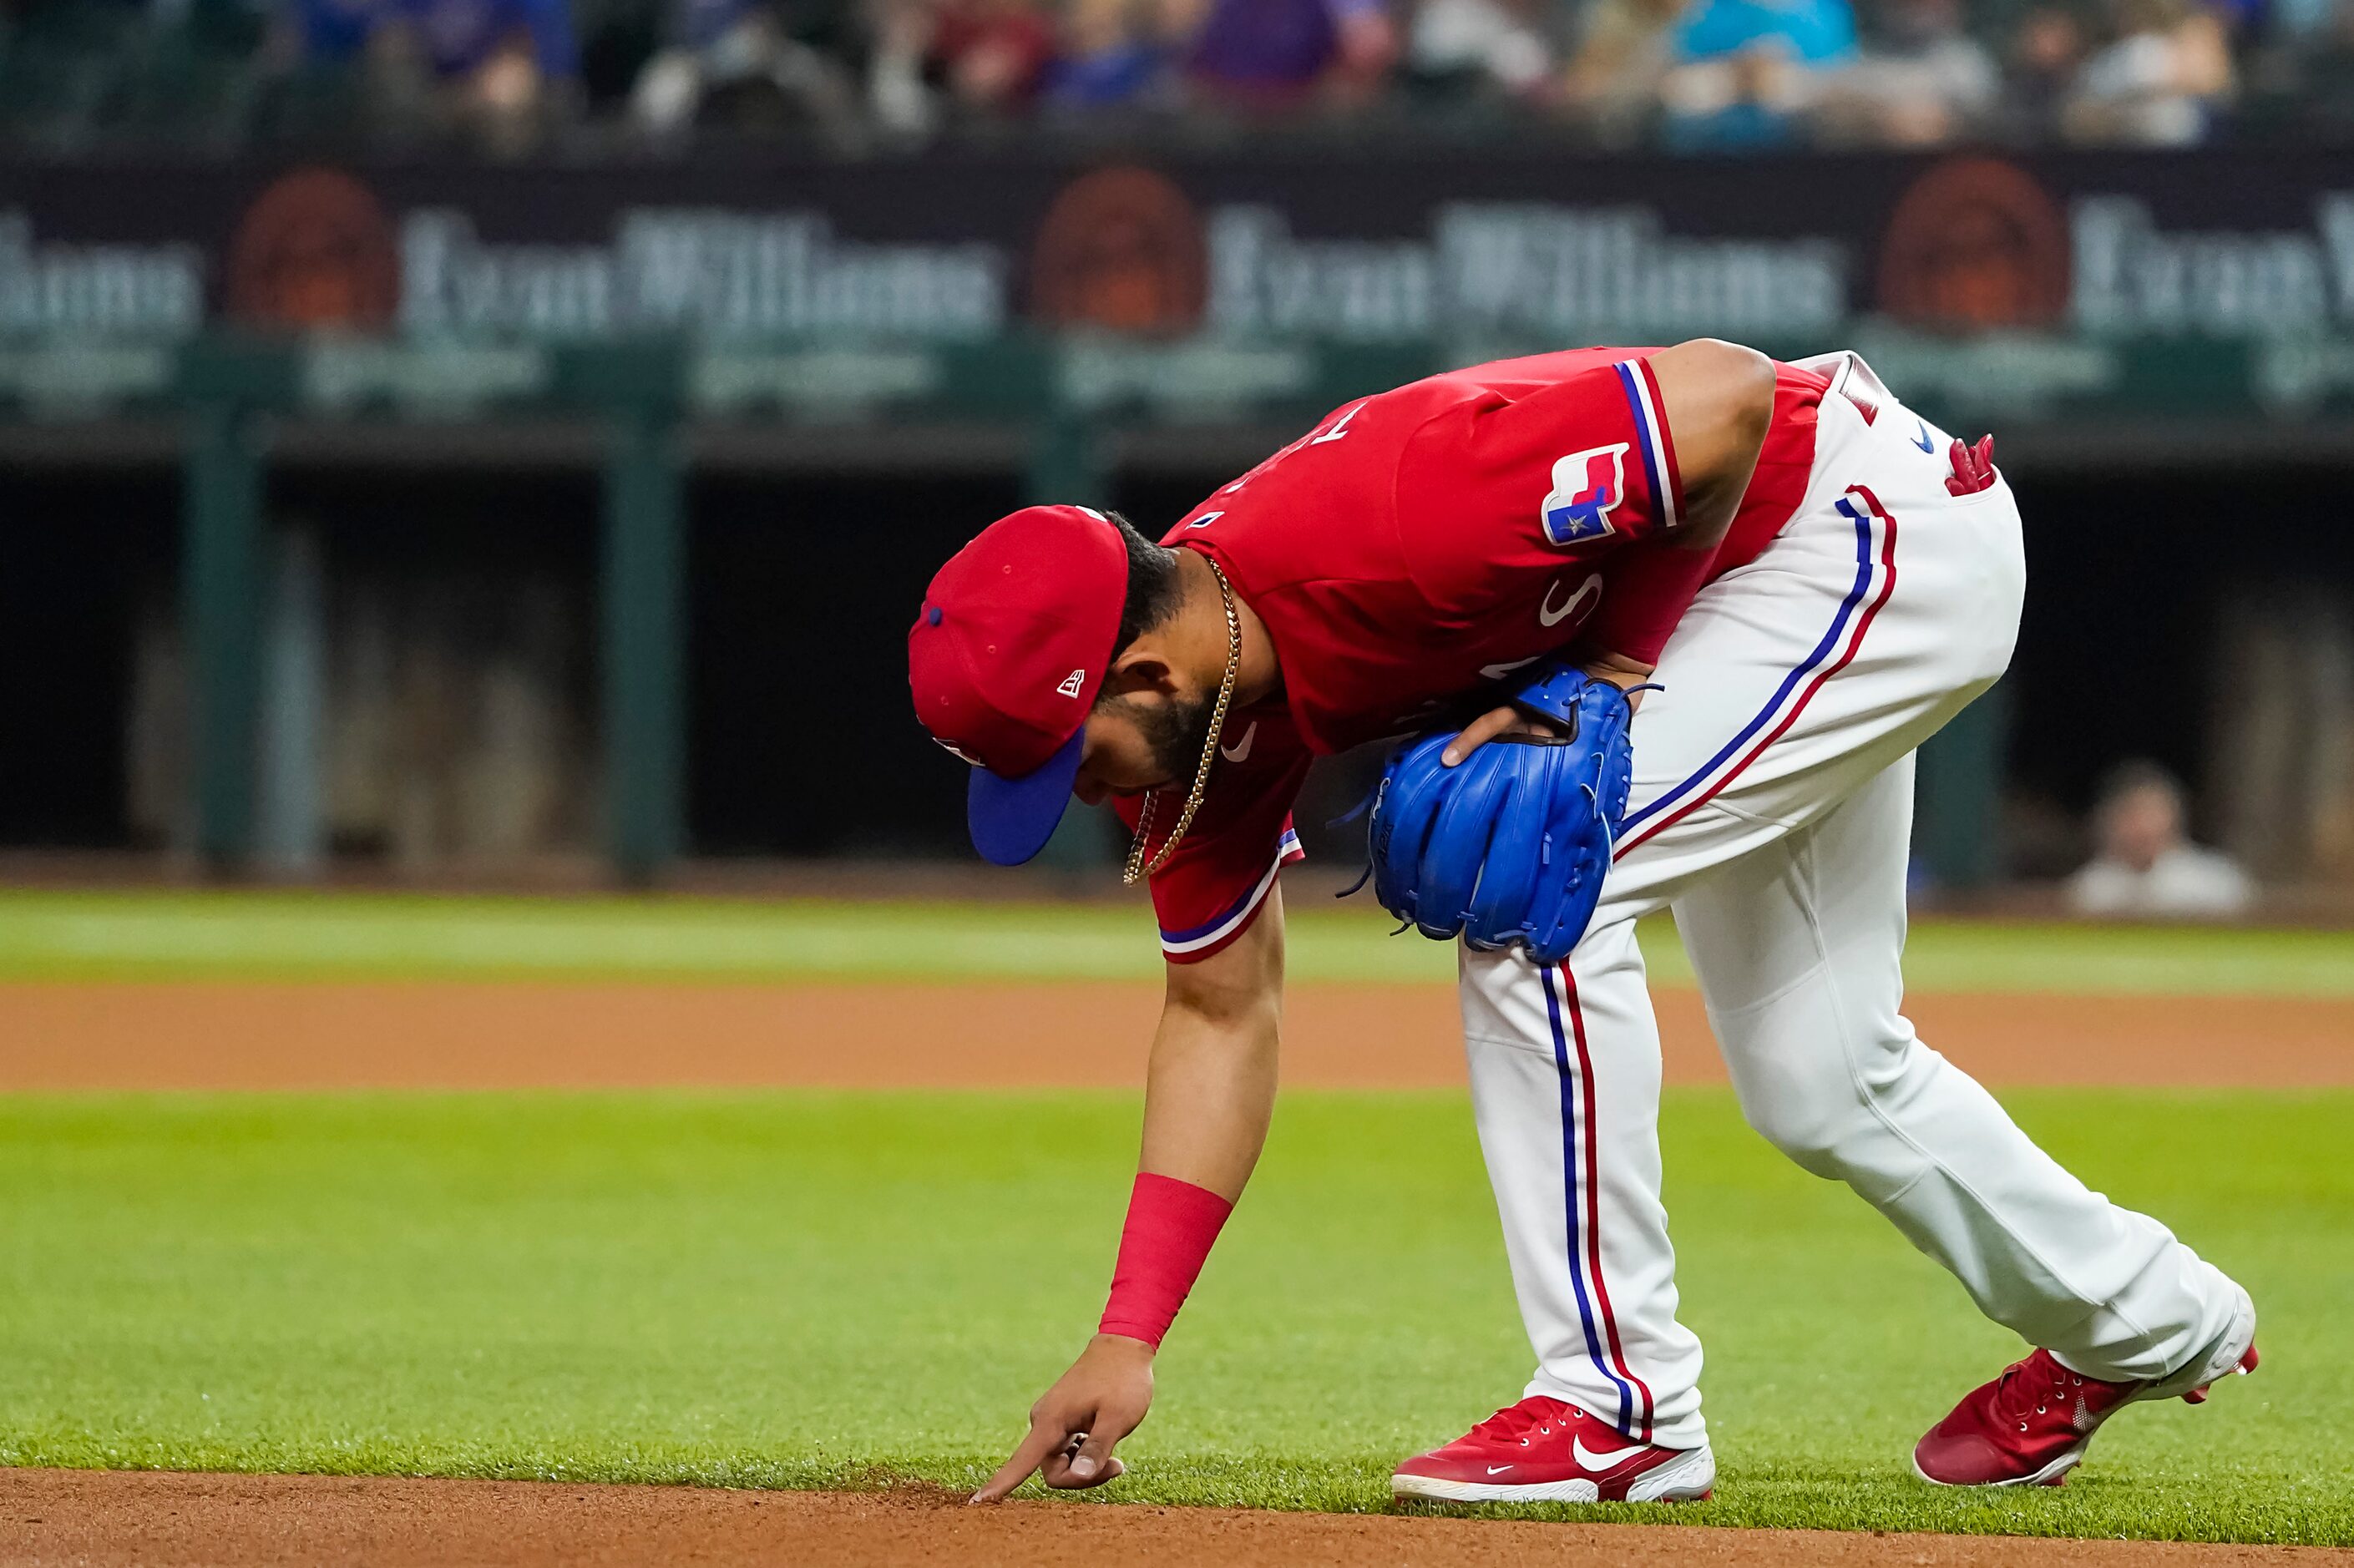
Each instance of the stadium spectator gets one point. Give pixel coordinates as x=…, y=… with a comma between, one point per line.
x=1921, y=81
x=981, y=58
x=1455, y=47
x=1110, y=53
x=2146, y=867
x=1683, y=73
x=1614, y=81
x=732, y=63
x=1747, y=70
x=2046, y=50
x=500, y=68
x=2158, y=82
x=896, y=93
x=456, y=40
x=332, y=31
x=991, y=56
x=1276, y=54
x=2306, y=23
x=2325, y=76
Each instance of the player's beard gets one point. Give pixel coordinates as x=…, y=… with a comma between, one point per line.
x=1176, y=732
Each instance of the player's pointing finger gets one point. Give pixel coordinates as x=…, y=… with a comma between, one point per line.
x=1046, y=1434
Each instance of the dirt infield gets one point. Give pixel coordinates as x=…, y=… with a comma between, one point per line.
x=221, y=1035
x=100, y=1518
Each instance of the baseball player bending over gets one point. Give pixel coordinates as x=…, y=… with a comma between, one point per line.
x=1799, y=581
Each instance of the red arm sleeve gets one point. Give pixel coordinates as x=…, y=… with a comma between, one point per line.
x=1171, y=1225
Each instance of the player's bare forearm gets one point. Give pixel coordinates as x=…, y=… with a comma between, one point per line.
x=1208, y=1096
x=1718, y=399
x=1210, y=1090
x=1628, y=675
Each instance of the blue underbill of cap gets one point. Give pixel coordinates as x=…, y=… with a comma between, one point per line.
x=1011, y=819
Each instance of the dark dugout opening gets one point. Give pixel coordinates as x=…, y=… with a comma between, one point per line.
x=84, y=552
x=801, y=741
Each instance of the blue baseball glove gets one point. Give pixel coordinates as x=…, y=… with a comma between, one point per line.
x=1510, y=845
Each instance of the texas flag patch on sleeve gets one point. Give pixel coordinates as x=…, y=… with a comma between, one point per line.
x=1587, y=487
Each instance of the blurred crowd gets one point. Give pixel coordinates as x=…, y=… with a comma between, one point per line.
x=1684, y=74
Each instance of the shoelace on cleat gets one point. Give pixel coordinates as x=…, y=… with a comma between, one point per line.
x=2018, y=1394
x=1515, y=1423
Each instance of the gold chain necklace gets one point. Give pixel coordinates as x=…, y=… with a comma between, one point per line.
x=1137, y=868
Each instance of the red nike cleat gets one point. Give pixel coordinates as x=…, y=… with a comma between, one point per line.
x=1542, y=1450
x=2031, y=1426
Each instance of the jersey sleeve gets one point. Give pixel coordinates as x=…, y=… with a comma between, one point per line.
x=1517, y=475
x=1216, y=884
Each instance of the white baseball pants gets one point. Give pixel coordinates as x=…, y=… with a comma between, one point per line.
x=1771, y=810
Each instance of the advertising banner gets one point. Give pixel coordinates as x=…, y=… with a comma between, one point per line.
x=2203, y=277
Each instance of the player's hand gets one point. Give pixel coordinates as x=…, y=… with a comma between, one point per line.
x=1508, y=720
x=1074, y=1426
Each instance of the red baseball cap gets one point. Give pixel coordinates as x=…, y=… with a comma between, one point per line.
x=1005, y=659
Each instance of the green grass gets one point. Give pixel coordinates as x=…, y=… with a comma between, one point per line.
x=121, y=936
x=803, y=1288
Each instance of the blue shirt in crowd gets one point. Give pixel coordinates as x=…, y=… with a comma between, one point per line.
x=1814, y=32
x=1108, y=77
x=457, y=35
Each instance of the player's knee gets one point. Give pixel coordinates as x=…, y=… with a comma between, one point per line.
x=1812, y=1099
x=1832, y=1115
x=1814, y=1134
x=1802, y=1102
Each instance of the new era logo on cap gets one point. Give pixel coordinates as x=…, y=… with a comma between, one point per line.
x=1071, y=683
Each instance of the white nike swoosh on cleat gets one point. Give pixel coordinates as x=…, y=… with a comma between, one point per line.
x=1591, y=1460
x=1498, y=1469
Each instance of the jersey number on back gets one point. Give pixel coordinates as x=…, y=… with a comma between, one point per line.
x=1315, y=438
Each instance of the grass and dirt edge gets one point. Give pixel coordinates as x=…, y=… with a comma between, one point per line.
x=1752, y=1497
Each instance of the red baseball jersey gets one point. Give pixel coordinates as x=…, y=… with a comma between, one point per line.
x=1417, y=546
